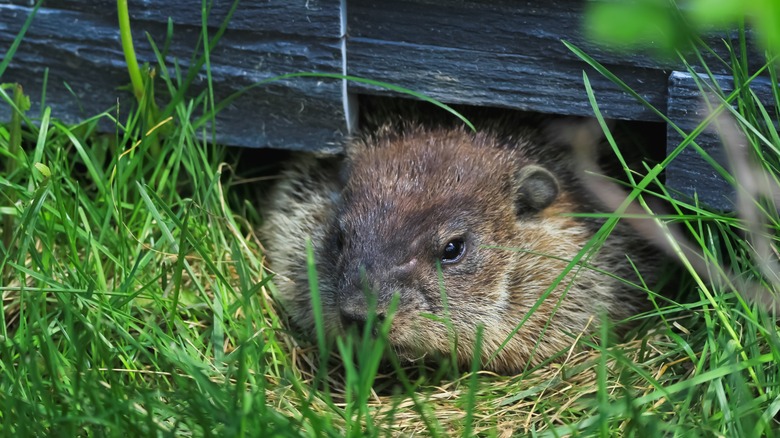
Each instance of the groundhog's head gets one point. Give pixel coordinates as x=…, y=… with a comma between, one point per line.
x=467, y=233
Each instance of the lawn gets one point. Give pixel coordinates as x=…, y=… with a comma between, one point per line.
x=135, y=301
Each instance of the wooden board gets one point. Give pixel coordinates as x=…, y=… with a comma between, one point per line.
x=689, y=173
x=82, y=51
x=530, y=28
x=307, y=18
x=505, y=53
x=502, y=80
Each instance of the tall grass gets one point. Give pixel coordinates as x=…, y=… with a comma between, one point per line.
x=135, y=303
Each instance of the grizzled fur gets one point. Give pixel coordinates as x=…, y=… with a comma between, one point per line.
x=382, y=220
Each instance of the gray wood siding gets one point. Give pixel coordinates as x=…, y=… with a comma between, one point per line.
x=689, y=173
x=502, y=80
x=79, y=43
x=496, y=53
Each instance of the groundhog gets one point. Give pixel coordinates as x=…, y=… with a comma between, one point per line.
x=467, y=229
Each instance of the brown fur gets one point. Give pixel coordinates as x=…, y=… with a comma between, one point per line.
x=405, y=195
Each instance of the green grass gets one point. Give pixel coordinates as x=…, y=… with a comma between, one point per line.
x=135, y=303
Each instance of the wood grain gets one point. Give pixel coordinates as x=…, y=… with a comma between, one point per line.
x=690, y=174
x=502, y=80
x=83, y=55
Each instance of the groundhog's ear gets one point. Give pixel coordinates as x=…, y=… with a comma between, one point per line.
x=537, y=188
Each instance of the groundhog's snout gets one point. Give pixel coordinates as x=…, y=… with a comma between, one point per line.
x=354, y=311
x=356, y=307
x=367, y=295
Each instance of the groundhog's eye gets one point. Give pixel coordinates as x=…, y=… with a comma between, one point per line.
x=453, y=251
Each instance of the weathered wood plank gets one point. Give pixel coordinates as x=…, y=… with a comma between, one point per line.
x=502, y=80
x=531, y=28
x=83, y=51
x=288, y=17
x=689, y=174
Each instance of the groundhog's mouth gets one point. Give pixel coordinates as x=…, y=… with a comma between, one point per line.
x=419, y=343
x=409, y=337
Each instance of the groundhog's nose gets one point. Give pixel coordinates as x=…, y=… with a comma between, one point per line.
x=354, y=312
x=351, y=317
